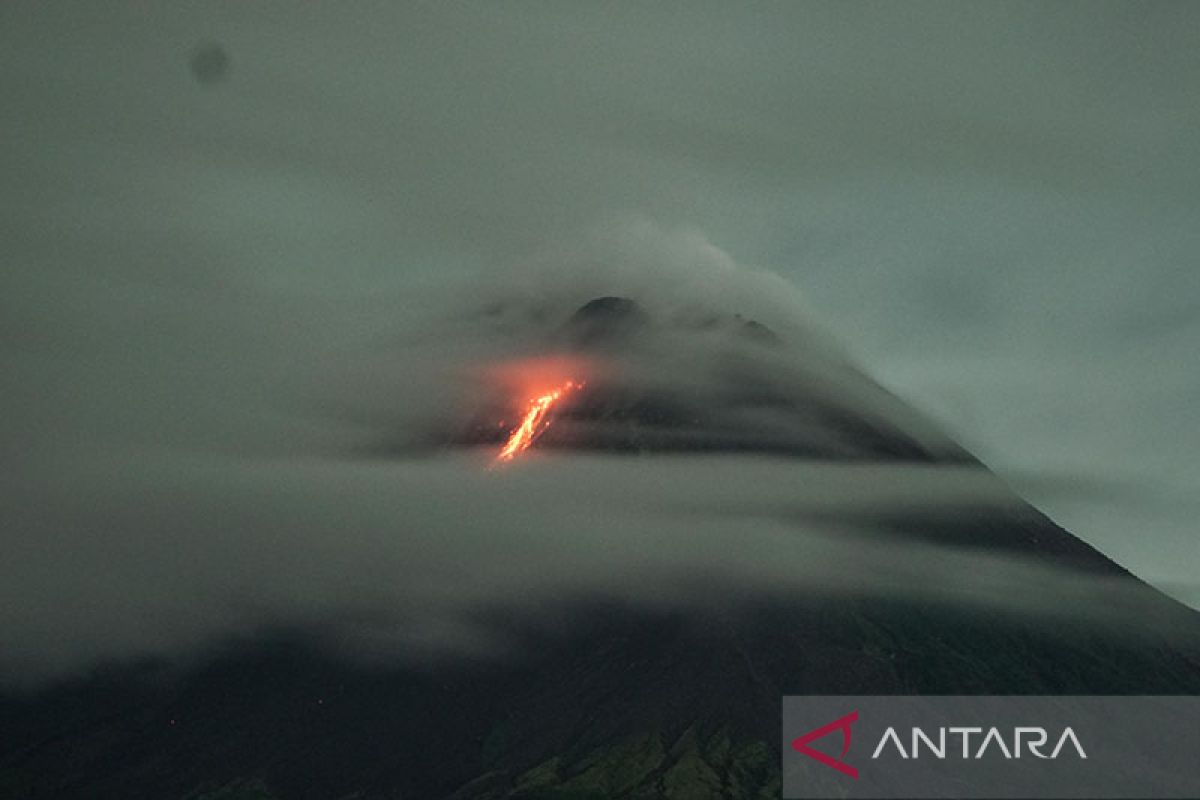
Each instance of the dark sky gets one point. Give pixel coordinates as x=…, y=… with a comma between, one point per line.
x=994, y=208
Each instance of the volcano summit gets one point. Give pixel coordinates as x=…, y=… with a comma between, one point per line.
x=732, y=515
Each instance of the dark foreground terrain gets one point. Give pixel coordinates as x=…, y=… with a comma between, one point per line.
x=607, y=702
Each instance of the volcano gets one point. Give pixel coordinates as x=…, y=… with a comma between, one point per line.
x=616, y=699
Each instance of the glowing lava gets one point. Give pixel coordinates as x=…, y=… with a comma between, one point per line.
x=535, y=422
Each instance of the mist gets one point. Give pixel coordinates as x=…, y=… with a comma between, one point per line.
x=257, y=270
x=311, y=474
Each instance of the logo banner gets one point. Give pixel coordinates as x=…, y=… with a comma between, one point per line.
x=1088, y=747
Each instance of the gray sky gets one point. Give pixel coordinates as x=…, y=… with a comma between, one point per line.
x=995, y=208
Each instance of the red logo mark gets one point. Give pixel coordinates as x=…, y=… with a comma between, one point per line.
x=800, y=744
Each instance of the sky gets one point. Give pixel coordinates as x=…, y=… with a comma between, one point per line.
x=237, y=233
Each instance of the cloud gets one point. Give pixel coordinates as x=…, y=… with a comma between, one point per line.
x=268, y=464
x=168, y=553
x=230, y=312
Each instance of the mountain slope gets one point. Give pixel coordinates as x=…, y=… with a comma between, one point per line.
x=607, y=699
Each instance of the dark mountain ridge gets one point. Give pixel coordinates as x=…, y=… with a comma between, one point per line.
x=605, y=699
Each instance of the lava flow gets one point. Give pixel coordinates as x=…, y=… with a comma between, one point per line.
x=535, y=422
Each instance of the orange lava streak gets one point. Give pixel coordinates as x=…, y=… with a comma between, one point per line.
x=534, y=423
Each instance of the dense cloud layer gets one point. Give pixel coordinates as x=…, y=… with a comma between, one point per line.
x=244, y=480
x=221, y=297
